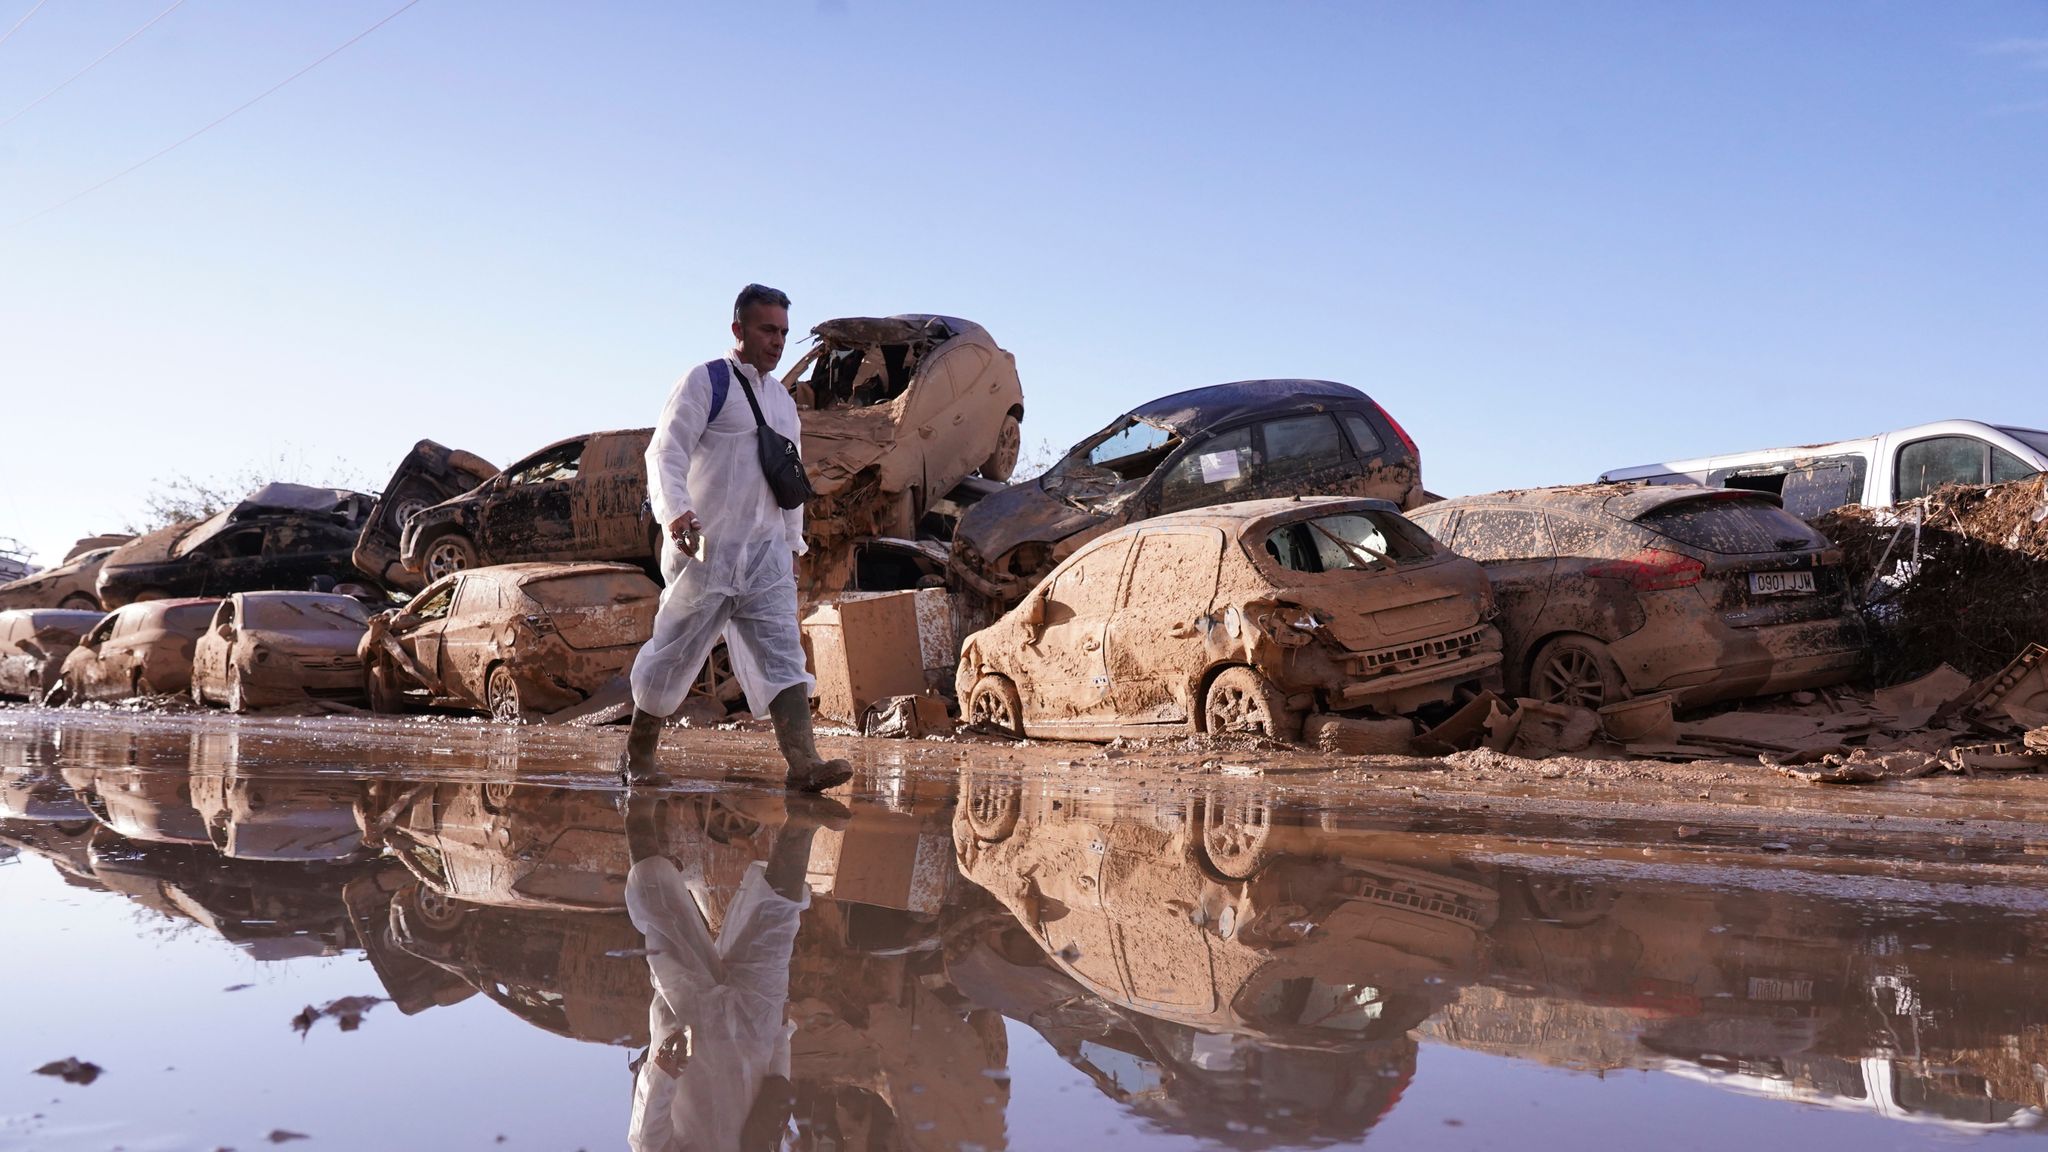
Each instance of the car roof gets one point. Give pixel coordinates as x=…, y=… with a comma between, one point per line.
x=1203, y=407
x=39, y=617
x=899, y=329
x=1623, y=501
x=289, y=596
x=527, y=570
x=1235, y=516
x=158, y=607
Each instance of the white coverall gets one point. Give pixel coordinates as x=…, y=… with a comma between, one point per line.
x=742, y=582
x=729, y=993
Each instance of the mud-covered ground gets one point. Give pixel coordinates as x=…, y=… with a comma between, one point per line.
x=418, y=933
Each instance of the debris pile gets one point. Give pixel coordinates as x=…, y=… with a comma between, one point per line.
x=1959, y=577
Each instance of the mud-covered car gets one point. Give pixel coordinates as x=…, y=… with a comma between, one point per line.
x=897, y=411
x=511, y=640
x=1608, y=591
x=584, y=498
x=1229, y=442
x=70, y=584
x=33, y=645
x=138, y=650
x=264, y=649
x=429, y=474
x=1238, y=617
x=282, y=536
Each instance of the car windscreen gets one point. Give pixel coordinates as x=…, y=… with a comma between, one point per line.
x=1106, y=464
x=303, y=615
x=189, y=619
x=201, y=532
x=2031, y=437
x=1740, y=526
x=1347, y=541
x=586, y=590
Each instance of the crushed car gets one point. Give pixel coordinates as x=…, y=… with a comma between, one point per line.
x=897, y=412
x=71, y=583
x=428, y=475
x=33, y=645
x=1230, y=442
x=140, y=649
x=281, y=536
x=1608, y=591
x=584, y=498
x=512, y=640
x=1236, y=618
x=265, y=649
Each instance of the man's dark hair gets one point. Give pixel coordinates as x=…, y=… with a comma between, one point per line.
x=757, y=294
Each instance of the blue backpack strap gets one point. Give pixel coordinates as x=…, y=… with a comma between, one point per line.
x=721, y=383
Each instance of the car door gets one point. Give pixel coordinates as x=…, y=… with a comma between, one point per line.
x=531, y=515
x=467, y=646
x=1070, y=685
x=420, y=638
x=85, y=681
x=1209, y=470
x=210, y=655
x=231, y=562
x=1298, y=455
x=1156, y=637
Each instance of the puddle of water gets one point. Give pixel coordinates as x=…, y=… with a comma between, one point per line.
x=953, y=960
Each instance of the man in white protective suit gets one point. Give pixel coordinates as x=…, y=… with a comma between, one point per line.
x=729, y=550
x=716, y=1075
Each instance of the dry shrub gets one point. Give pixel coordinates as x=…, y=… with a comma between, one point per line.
x=1979, y=594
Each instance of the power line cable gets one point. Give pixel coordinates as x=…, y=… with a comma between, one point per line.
x=23, y=20
x=30, y=106
x=222, y=119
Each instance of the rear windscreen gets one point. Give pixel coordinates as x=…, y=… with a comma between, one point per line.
x=1732, y=527
x=594, y=590
x=308, y=615
x=189, y=618
x=1347, y=540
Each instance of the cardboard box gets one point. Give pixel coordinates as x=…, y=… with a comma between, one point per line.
x=864, y=649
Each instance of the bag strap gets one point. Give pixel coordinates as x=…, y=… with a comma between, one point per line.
x=721, y=383
x=759, y=419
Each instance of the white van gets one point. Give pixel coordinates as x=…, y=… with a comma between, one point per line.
x=1878, y=471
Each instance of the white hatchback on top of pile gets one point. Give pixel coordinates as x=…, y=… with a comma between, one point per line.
x=1876, y=471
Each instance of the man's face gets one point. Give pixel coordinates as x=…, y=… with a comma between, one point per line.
x=760, y=330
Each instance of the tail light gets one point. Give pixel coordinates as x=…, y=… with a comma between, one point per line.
x=1400, y=433
x=1652, y=569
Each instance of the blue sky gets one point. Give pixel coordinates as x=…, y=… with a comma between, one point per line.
x=1552, y=239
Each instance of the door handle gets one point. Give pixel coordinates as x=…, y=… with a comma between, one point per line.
x=1181, y=631
x=1090, y=644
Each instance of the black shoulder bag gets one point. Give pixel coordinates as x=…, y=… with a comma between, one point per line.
x=780, y=461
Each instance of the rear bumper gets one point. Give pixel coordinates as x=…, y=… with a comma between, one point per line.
x=1767, y=660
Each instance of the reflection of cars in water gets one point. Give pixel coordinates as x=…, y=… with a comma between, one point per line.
x=1237, y=617
x=140, y=650
x=280, y=536
x=33, y=645
x=584, y=498
x=1607, y=591
x=428, y=475
x=264, y=817
x=268, y=648
x=510, y=640
x=270, y=910
x=72, y=584
x=1242, y=441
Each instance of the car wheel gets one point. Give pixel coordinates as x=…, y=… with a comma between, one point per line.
x=450, y=552
x=991, y=807
x=429, y=911
x=1009, y=442
x=993, y=704
x=497, y=796
x=1575, y=670
x=403, y=512
x=1242, y=700
x=80, y=602
x=501, y=693
x=1235, y=835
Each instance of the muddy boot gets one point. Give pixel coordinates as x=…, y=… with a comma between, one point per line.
x=791, y=712
x=639, y=765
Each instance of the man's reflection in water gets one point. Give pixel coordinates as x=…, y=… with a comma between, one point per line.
x=716, y=1073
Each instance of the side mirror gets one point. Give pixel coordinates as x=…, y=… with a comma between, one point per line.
x=1034, y=609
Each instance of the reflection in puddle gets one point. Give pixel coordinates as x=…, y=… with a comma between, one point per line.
x=893, y=973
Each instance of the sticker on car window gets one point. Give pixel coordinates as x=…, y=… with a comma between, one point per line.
x=1219, y=466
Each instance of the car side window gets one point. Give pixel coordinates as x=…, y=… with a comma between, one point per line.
x=1576, y=537
x=1823, y=486
x=1299, y=445
x=1440, y=523
x=1925, y=465
x=1087, y=588
x=1486, y=534
x=560, y=464
x=434, y=605
x=1363, y=439
x=241, y=542
x=2006, y=466
x=1209, y=472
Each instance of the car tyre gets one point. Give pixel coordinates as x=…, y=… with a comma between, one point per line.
x=1242, y=700
x=992, y=807
x=1576, y=670
x=1236, y=835
x=501, y=695
x=993, y=704
x=80, y=602
x=446, y=553
x=1002, y=462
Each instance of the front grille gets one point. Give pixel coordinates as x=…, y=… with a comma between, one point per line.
x=1442, y=650
x=330, y=663
x=1430, y=903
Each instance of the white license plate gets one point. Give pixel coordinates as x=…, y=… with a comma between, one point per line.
x=1780, y=583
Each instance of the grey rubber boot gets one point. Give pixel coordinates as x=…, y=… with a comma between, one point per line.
x=639, y=764
x=791, y=712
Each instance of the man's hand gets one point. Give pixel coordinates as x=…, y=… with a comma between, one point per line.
x=683, y=530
